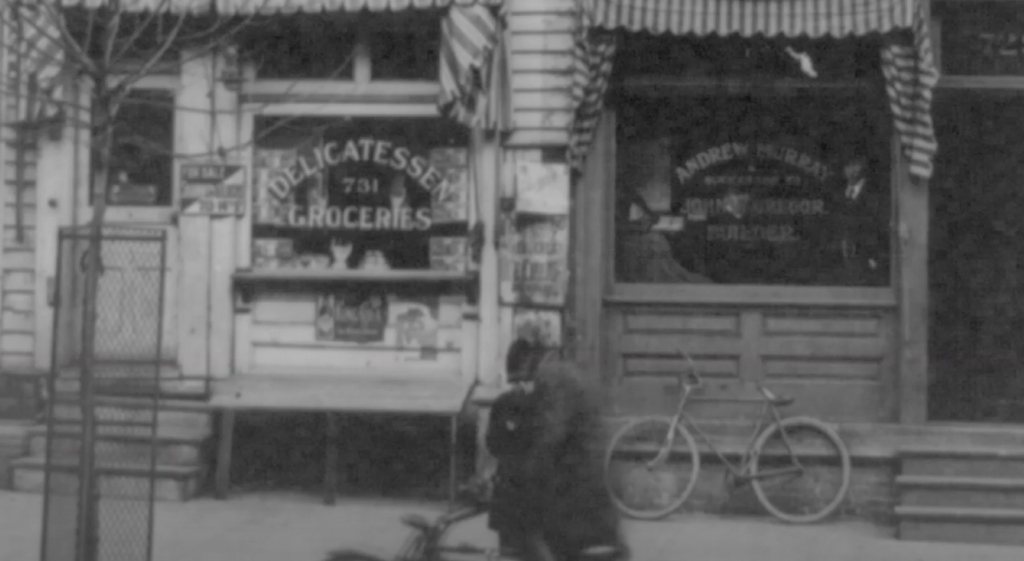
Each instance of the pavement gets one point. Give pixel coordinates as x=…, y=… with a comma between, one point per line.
x=296, y=527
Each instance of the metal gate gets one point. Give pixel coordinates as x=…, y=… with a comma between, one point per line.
x=102, y=421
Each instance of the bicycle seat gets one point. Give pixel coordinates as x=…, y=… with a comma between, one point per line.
x=416, y=521
x=776, y=400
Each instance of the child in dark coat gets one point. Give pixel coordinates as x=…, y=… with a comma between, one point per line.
x=549, y=495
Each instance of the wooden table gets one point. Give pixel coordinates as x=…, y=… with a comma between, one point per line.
x=335, y=396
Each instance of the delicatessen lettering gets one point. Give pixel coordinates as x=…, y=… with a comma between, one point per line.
x=362, y=150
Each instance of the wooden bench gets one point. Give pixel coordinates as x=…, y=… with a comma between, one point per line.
x=334, y=397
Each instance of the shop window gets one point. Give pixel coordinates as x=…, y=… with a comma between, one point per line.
x=400, y=46
x=406, y=48
x=301, y=46
x=798, y=59
x=360, y=193
x=142, y=154
x=776, y=189
x=981, y=38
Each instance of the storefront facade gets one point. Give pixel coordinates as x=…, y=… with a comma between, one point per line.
x=755, y=193
x=331, y=186
x=766, y=215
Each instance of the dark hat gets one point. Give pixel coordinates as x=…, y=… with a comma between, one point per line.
x=522, y=360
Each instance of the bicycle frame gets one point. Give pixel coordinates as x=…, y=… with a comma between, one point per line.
x=742, y=472
x=425, y=544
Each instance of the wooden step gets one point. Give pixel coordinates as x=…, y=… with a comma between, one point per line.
x=966, y=462
x=124, y=481
x=168, y=413
x=170, y=448
x=961, y=525
x=960, y=491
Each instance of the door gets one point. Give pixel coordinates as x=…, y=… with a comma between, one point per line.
x=137, y=294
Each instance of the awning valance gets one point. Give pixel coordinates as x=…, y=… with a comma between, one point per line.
x=245, y=7
x=789, y=18
x=907, y=62
x=248, y=7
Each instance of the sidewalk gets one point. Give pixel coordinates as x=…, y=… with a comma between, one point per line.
x=277, y=527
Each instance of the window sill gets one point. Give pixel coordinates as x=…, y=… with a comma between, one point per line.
x=869, y=297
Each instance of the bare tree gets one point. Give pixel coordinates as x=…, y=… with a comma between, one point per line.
x=108, y=49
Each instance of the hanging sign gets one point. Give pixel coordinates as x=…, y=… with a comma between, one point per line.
x=212, y=190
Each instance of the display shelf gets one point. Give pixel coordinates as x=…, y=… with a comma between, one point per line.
x=246, y=280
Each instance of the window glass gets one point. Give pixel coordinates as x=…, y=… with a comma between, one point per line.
x=406, y=46
x=360, y=194
x=982, y=38
x=142, y=155
x=301, y=46
x=754, y=188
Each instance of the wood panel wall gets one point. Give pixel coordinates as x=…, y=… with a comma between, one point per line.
x=839, y=364
x=541, y=62
x=283, y=340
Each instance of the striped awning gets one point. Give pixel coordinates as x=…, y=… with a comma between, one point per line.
x=788, y=18
x=473, y=65
x=907, y=61
x=247, y=7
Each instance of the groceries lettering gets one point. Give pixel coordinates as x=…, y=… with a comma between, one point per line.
x=363, y=218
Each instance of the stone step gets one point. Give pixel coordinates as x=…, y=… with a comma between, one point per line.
x=169, y=413
x=967, y=462
x=958, y=491
x=170, y=448
x=170, y=483
x=961, y=525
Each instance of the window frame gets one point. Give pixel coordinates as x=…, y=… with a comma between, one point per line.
x=163, y=214
x=769, y=295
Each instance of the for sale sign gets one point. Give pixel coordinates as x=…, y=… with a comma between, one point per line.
x=212, y=190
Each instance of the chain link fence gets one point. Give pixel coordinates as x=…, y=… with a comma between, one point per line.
x=102, y=423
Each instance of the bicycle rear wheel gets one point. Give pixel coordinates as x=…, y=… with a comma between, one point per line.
x=646, y=478
x=813, y=470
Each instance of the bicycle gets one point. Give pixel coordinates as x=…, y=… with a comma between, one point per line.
x=425, y=542
x=672, y=440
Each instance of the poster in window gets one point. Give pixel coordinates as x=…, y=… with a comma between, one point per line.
x=535, y=261
x=451, y=199
x=542, y=188
x=417, y=323
x=359, y=316
x=544, y=326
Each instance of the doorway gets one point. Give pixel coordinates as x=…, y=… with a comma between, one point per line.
x=976, y=239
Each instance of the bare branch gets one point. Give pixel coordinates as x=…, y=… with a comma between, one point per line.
x=137, y=33
x=68, y=41
x=111, y=30
x=155, y=58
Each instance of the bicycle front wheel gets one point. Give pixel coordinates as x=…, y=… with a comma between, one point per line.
x=651, y=467
x=801, y=470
